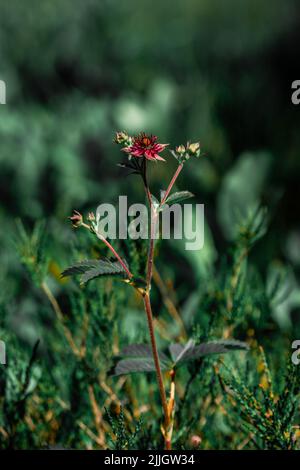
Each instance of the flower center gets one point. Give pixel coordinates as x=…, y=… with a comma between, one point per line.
x=146, y=141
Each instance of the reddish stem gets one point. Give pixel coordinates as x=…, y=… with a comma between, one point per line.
x=154, y=219
x=172, y=182
x=151, y=248
x=115, y=254
x=161, y=387
x=167, y=408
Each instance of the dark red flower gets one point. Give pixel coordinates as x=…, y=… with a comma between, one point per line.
x=145, y=146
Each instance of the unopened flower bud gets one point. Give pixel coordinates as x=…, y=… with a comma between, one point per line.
x=194, y=149
x=76, y=219
x=195, y=440
x=180, y=149
x=121, y=138
x=91, y=217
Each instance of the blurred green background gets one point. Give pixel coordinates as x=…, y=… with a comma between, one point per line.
x=217, y=71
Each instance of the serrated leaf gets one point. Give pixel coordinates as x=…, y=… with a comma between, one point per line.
x=103, y=268
x=142, y=361
x=178, y=350
x=178, y=197
x=136, y=350
x=79, y=268
x=141, y=350
x=91, y=269
x=180, y=353
x=129, y=366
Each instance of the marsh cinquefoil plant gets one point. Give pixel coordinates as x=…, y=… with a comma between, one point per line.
x=142, y=150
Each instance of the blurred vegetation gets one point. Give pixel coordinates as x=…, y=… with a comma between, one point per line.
x=216, y=71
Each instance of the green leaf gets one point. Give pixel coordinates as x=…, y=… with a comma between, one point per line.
x=142, y=361
x=79, y=268
x=177, y=350
x=183, y=353
x=178, y=197
x=140, y=350
x=91, y=269
x=129, y=366
x=136, y=350
x=139, y=359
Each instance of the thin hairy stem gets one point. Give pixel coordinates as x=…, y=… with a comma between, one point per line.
x=172, y=182
x=154, y=217
x=153, y=221
x=111, y=248
x=162, y=391
x=148, y=310
x=145, y=181
x=129, y=274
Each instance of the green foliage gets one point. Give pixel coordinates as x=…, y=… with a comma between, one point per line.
x=61, y=400
x=91, y=269
x=178, y=197
x=17, y=384
x=268, y=415
x=32, y=250
x=141, y=355
x=124, y=439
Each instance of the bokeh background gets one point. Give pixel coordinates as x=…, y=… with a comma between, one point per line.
x=220, y=72
x=215, y=71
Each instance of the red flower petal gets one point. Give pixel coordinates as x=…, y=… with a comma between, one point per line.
x=158, y=157
x=149, y=155
x=145, y=145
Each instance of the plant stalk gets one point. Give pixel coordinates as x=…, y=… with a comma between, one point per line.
x=129, y=274
x=172, y=182
x=154, y=217
x=162, y=391
x=148, y=309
